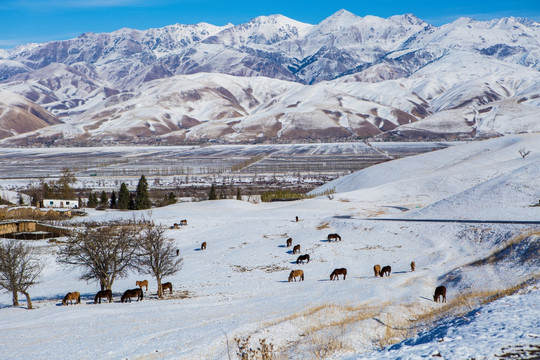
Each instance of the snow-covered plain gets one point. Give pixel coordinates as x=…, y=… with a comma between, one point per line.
x=238, y=286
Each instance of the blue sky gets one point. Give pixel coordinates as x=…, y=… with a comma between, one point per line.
x=24, y=21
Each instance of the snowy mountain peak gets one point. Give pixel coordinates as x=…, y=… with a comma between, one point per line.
x=342, y=17
x=407, y=19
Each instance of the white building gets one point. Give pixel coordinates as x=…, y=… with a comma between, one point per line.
x=59, y=203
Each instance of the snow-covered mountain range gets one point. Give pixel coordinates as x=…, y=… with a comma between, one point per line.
x=275, y=78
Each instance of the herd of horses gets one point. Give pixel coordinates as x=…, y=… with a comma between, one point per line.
x=440, y=291
x=126, y=296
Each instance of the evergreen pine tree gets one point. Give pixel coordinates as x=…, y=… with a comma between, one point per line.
x=103, y=199
x=123, y=197
x=92, y=200
x=212, y=195
x=113, y=200
x=21, y=200
x=172, y=198
x=142, y=200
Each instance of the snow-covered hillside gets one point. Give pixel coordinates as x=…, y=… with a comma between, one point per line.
x=238, y=286
x=467, y=79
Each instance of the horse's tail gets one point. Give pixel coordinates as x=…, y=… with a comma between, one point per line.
x=302, y=277
x=78, y=298
x=95, y=298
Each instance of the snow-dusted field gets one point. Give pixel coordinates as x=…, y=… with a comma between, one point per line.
x=238, y=286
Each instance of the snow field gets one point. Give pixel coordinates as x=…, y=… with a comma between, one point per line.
x=238, y=286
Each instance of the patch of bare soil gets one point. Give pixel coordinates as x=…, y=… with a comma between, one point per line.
x=520, y=352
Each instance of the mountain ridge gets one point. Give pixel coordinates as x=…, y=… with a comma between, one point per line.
x=456, y=68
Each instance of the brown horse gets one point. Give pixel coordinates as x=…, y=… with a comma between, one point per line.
x=128, y=294
x=334, y=237
x=103, y=294
x=203, y=246
x=296, y=249
x=166, y=286
x=71, y=296
x=386, y=270
x=440, y=292
x=142, y=283
x=302, y=258
x=335, y=274
x=296, y=273
x=413, y=266
x=289, y=242
x=377, y=270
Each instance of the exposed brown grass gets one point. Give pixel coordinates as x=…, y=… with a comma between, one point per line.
x=464, y=303
x=507, y=247
x=323, y=225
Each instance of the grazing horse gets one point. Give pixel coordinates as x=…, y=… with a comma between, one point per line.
x=142, y=283
x=289, y=242
x=166, y=286
x=128, y=294
x=334, y=237
x=440, y=292
x=103, y=294
x=335, y=274
x=377, y=270
x=302, y=258
x=386, y=270
x=70, y=296
x=296, y=273
x=296, y=249
x=413, y=266
x=203, y=246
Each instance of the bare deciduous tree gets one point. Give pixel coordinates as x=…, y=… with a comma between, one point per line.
x=19, y=269
x=157, y=255
x=105, y=251
x=524, y=152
